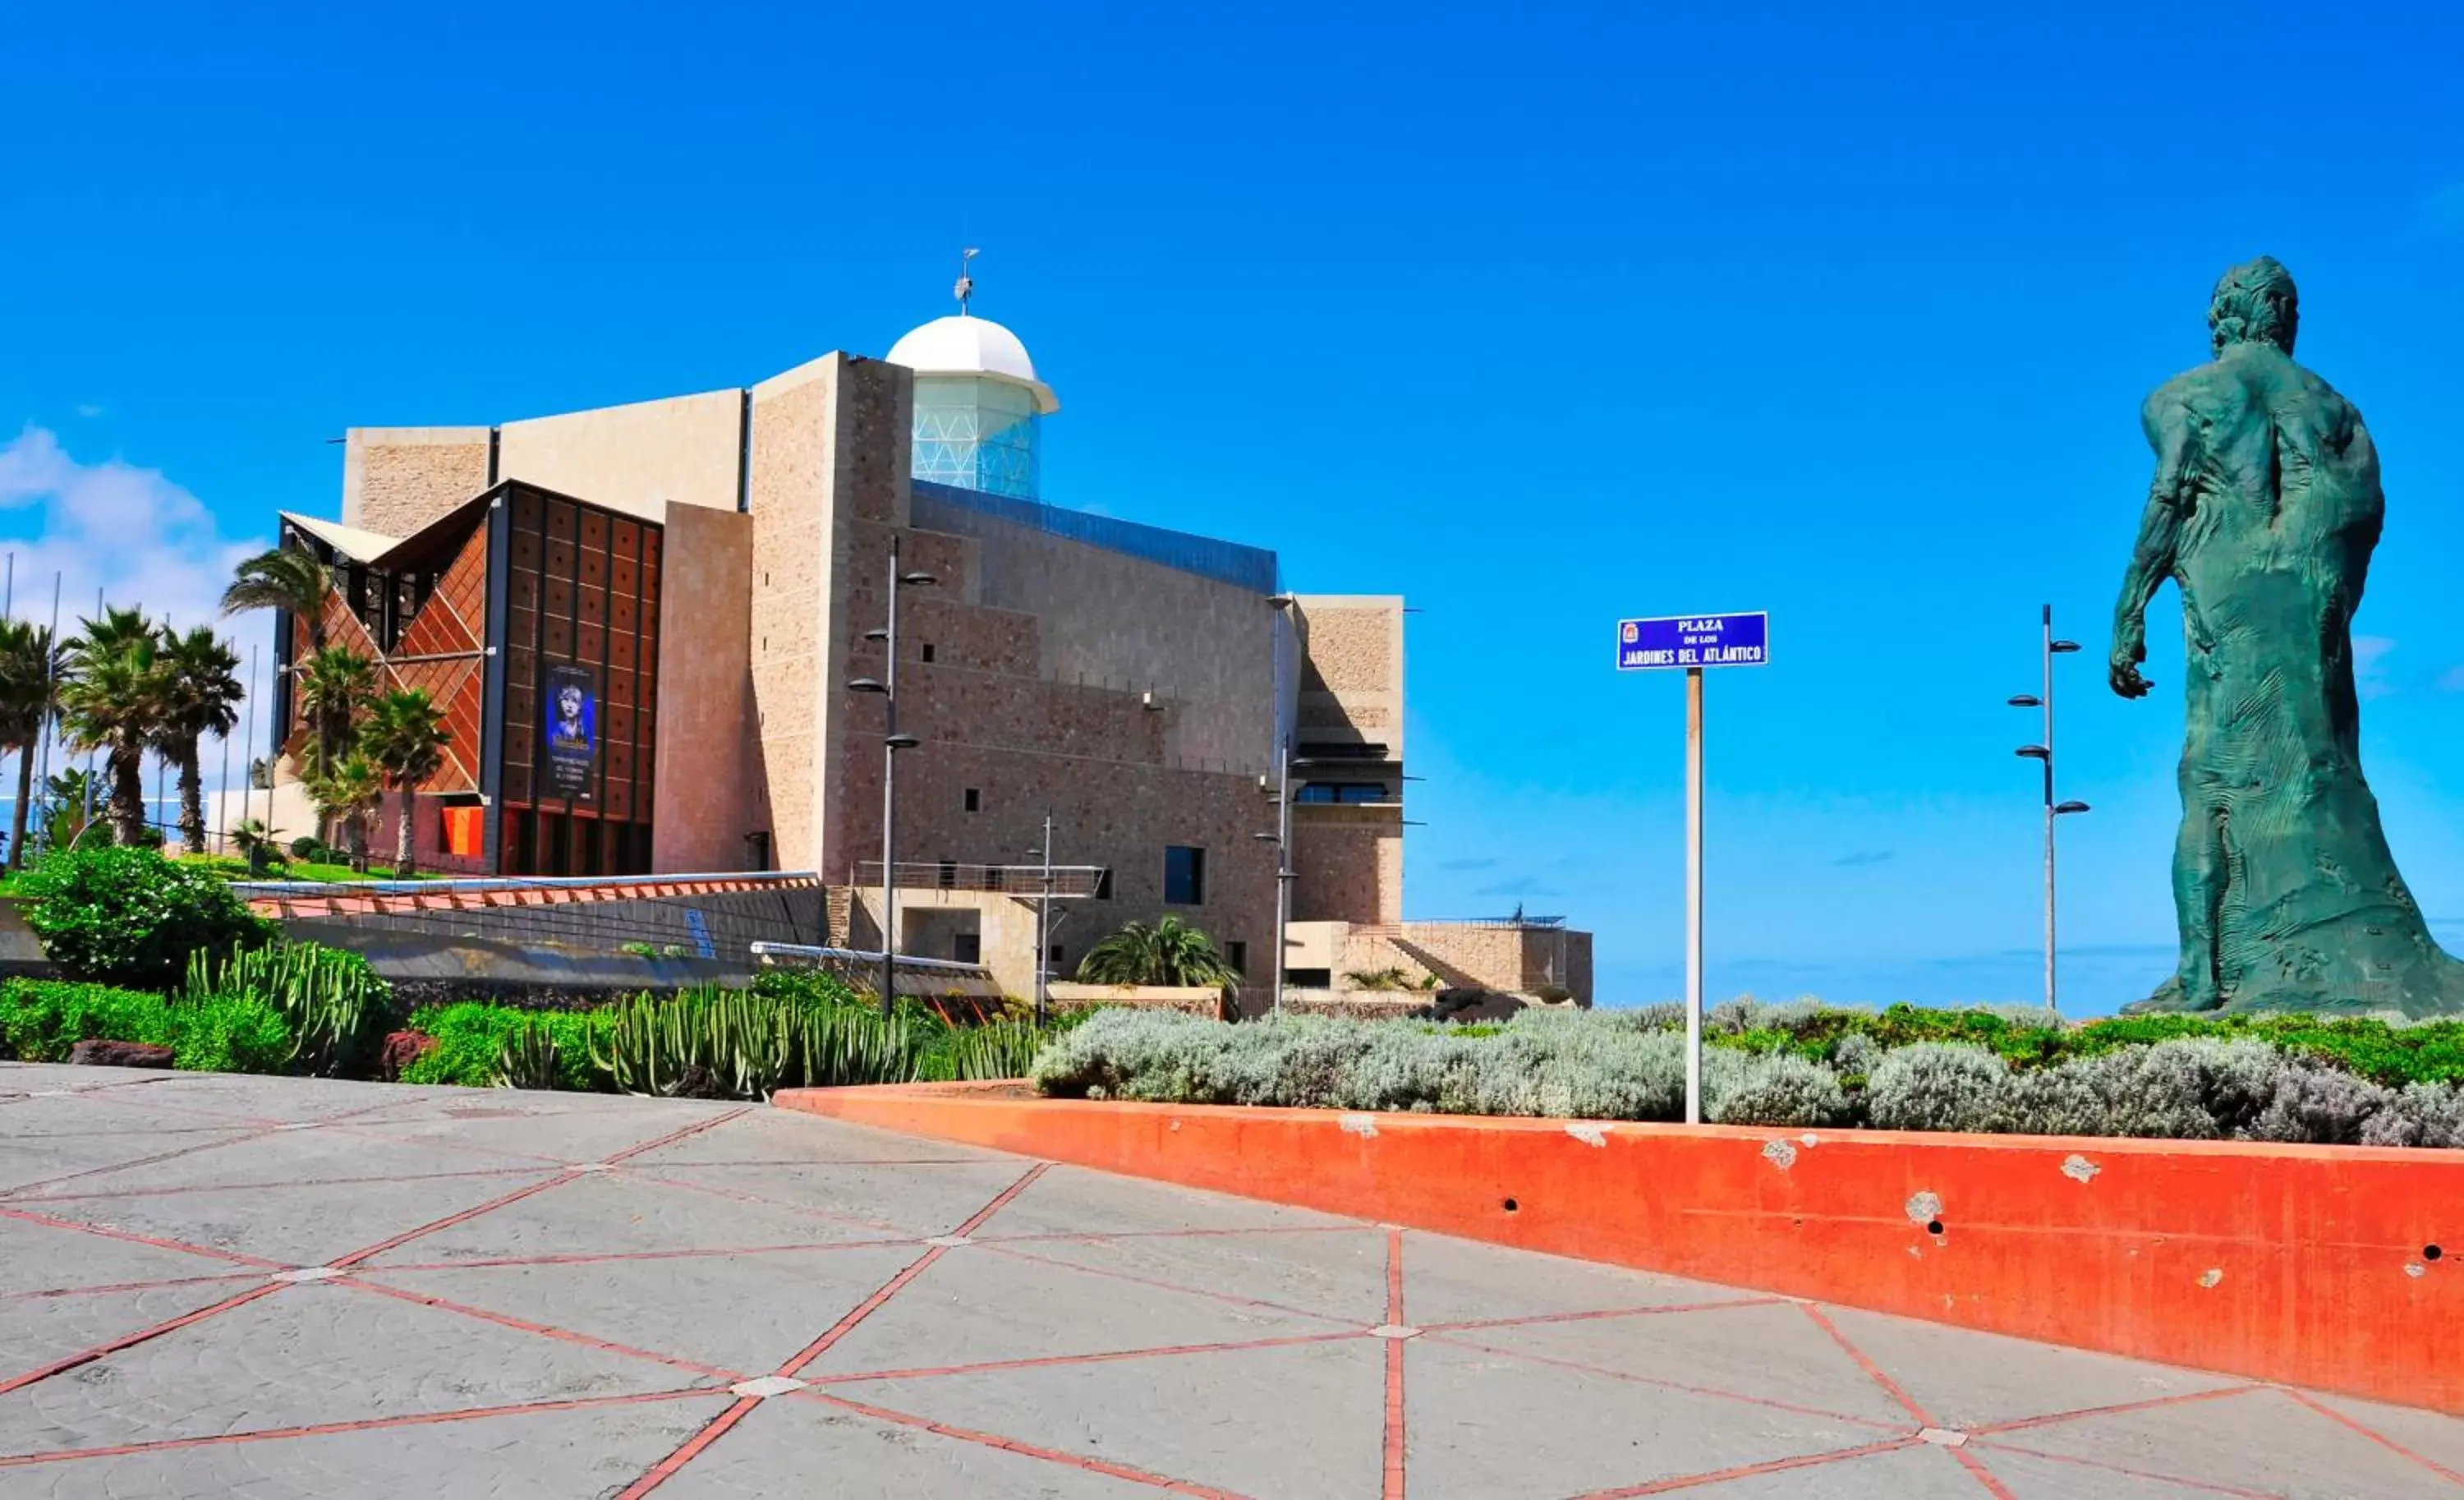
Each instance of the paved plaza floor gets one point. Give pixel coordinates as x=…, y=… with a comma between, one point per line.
x=267, y=1288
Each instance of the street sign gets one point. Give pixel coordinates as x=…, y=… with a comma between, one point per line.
x=1689, y=643
x=1694, y=640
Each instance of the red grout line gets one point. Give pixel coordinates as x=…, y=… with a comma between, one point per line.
x=2084, y=1412
x=1092, y=1465
x=1873, y=1370
x=233, y=1257
x=449, y=1221
x=259, y=1187
x=234, y=1139
x=666, y=1469
x=1661, y=1487
x=2382, y=1440
x=596, y=1258
x=125, y=1340
x=637, y=1175
x=1657, y=1382
x=674, y=1135
x=524, y=1325
x=1471, y=1325
x=1232, y=1298
x=362, y=1425
x=51, y=1293
x=2206, y=1486
x=1109, y=1356
x=1008, y=1195
x=1983, y=1475
x=1395, y=1445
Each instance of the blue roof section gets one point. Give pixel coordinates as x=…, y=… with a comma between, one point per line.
x=941, y=507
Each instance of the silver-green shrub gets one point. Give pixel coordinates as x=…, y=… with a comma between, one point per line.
x=1938, y=1085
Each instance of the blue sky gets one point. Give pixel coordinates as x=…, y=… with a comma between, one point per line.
x=1540, y=317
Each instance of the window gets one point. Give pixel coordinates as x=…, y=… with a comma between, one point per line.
x=1351, y=793
x=968, y=947
x=1308, y=978
x=928, y=650
x=1237, y=955
x=1104, y=884
x=1055, y=957
x=974, y=799
x=946, y=873
x=1184, y=875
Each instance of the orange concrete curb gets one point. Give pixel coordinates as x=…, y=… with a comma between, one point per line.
x=2336, y=1267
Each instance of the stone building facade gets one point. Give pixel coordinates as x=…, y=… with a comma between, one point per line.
x=1136, y=686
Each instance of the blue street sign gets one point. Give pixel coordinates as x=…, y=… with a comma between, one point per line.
x=1694, y=640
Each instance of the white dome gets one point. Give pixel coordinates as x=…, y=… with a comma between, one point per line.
x=960, y=344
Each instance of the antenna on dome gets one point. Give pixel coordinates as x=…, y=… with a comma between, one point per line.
x=966, y=286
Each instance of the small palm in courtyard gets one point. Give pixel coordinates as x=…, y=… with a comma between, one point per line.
x=336, y=685
x=347, y=794
x=406, y=741
x=114, y=701
x=31, y=669
x=1171, y=953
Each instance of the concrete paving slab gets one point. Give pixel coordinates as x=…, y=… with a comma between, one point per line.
x=1075, y=1200
x=693, y=1300
x=534, y=1455
x=800, y=1447
x=310, y=1354
x=919, y=1201
x=1773, y=1350
x=2263, y=1442
x=1464, y=1281
x=743, y=1312
x=1969, y=1380
x=597, y=1213
x=1338, y=1274
x=974, y=1306
x=35, y=1163
x=1296, y=1424
x=1482, y=1426
x=294, y=1228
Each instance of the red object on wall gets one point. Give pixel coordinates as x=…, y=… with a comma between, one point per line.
x=465, y=833
x=2318, y=1265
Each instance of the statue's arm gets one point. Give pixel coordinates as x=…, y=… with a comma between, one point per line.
x=2169, y=497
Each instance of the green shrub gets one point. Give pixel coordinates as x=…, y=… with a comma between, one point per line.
x=131, y=916
x=335, y=1003
x=471, y=1037
x=40, y=1021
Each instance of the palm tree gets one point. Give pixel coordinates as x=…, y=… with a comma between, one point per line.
x=200, y=696
x=256, y=843
x=406, y=740
x=286, y=578
x=114, y=702
x=30, y=694
x=1170, y=953
x=66, y=797
x=335, y=685
x=347, y=795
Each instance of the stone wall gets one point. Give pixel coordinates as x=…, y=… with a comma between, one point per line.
x=396, y=479
x=1352, y=669
x=789, y=499
x=1347, y=863
x=639, y=458
x=707, y=756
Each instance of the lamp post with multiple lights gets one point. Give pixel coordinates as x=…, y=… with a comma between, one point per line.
x=891, y=742
x=2055, y=810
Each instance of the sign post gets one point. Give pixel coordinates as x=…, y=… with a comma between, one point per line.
x=1691, y=643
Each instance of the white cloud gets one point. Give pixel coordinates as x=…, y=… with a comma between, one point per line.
x=143, y=541
x=89, y=409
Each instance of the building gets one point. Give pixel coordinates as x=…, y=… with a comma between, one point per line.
x=648, y=626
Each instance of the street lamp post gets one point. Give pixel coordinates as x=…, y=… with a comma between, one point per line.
x=891, y=742
x=1282, y=839
x=1043, y=926
x=2053, y=810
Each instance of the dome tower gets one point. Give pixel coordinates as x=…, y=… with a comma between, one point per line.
x=979, y=403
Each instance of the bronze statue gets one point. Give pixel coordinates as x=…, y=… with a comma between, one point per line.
x=2265, y=508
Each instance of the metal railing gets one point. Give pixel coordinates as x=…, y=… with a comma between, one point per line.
x=711, y=915
x=1070, y=882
